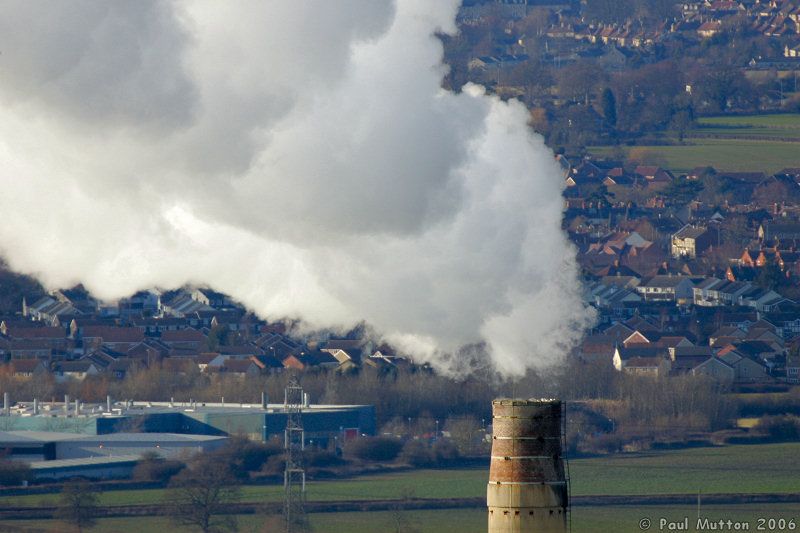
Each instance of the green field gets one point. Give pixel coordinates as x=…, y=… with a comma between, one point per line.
x=461, y=483
x=744, y=143
x=584, y=520
x=734, y=155
x=729, y=469
x=751, y=126
x=766, y=468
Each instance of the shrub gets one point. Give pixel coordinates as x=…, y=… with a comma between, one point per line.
x=417, y=453
x=781, y=427
x=606, y=443
x=154, y=468
x=244, y=456
x=322, y=459
x=14, y=472
x=374, y=448
x=274, y=466
x=445, y=452
x=420, y=454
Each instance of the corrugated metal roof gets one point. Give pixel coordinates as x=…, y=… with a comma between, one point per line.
x=84, y=461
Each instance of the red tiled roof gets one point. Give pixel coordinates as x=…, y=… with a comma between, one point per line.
x=112, y=334
x=183, y=335
x=37, y=333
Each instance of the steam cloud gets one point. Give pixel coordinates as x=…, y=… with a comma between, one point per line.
x=300, y=156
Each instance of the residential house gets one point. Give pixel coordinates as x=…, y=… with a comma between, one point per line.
x=121, y=367
x=610, y=296
x=709, y=29
x=647, y=366
x=716, y=369
x=667, y=288
x=182, y=305
x=348, y=359
x=180, y=365
x=119, y=339
x=747, y=370
x=730, y=333
x=623, y=354
x=771, y=231
x=655, y=177
x=206, y=360
x=48, y=308
x=763, y=300
x=278, y=345
x=149, y=351
x=689, y=352
x=33, y=349
x=618, y=332
x=250, y=366
x=27, y=368
x=793, y=369
x=77, y=370
x=714, y=292
x=186, y=339
x=597, y=348
x=311, y=359
x=154, y=326
x=691, y=241
x=269, y=363
x=141, y=304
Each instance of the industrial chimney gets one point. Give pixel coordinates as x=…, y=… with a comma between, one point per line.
x=527, y=490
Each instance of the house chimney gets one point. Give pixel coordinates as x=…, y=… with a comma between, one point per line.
x=527, y=489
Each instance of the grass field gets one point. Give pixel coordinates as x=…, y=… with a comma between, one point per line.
x=751, y=126
x=729, y=469
x=584, y=520
x=723, y=154
x=746, y=143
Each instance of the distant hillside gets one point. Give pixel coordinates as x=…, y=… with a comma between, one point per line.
x=13, y=287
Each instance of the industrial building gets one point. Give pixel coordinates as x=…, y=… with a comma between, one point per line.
x=36, y=446
x=71, y=438
x=259, y=421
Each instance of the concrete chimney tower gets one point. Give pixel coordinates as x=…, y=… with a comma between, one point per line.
x=527, y=490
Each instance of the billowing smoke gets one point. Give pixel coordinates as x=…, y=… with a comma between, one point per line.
x=300, y=156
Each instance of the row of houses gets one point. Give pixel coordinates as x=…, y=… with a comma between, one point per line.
x=197, y=303
x=683, y=290
x=80, y=350
x=733, y=354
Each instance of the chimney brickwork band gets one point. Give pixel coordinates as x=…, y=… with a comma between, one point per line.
x=527, y=490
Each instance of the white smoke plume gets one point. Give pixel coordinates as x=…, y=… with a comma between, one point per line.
x=300, y=156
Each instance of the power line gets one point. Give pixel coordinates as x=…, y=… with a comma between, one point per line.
x=294, y=476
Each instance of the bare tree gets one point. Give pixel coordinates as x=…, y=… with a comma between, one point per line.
x=401, y=520
x=200, y=494
x=77, y=505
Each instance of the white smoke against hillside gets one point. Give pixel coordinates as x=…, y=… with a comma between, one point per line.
x=300, y=156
